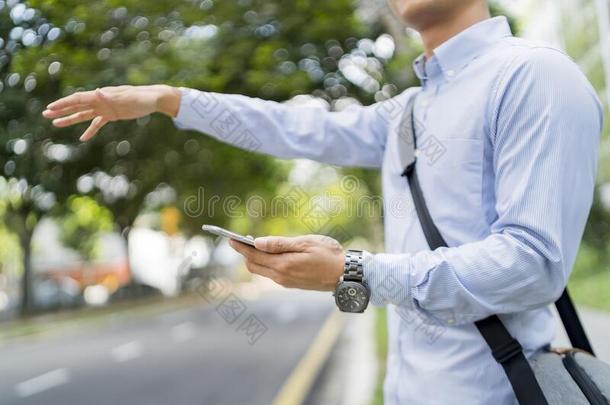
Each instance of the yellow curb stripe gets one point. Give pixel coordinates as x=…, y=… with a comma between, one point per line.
x=299, y=383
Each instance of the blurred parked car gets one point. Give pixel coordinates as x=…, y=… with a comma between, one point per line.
x=56, y=293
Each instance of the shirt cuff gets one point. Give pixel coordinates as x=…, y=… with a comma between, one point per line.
x=179, y=119
x=196, y=110
x=402, y=280
x=389, y=278
x=214, y=114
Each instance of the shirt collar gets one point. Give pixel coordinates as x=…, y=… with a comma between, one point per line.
x=455, y=53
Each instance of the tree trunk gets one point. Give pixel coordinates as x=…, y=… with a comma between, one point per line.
x=27, y=293
x=125, y=234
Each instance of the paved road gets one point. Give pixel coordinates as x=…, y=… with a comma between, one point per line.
x=196, y=356
x=191, y=356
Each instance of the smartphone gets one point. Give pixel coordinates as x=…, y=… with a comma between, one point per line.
x=216, y=230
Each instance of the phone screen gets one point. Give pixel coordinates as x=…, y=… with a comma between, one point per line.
x=216, y=230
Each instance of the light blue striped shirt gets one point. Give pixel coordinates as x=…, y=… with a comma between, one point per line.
x=508, y=134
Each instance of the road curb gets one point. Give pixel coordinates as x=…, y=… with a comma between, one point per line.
x=299, y=383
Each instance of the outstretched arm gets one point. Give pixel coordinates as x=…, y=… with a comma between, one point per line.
x=353, y=137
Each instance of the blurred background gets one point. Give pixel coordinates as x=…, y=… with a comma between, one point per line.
x=109, y=291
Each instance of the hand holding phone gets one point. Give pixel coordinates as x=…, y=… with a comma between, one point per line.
x=216, y=230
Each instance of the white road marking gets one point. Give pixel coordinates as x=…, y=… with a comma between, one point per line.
x=183, y=332
x=126, y=352
x=42, y=382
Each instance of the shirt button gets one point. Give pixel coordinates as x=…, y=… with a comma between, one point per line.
x=424, y=103
x=450, y=73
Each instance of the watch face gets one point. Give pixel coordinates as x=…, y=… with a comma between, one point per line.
x=351, y=296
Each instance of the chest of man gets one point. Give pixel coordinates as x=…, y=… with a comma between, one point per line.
x=454, y=128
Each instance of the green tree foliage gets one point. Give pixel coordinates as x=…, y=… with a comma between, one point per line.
x=271, y=49
x=82, y=225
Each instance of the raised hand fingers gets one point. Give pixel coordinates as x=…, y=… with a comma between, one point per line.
x=81, y=97
x=50, y=114
x=75, y=118
x=97, y=123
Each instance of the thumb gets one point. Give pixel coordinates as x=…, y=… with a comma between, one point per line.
x=278, y=244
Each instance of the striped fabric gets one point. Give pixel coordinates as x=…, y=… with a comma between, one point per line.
x=508, y=133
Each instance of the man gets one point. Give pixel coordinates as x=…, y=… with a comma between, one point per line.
x=518, y=125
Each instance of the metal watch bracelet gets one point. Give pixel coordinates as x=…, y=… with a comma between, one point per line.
x=353, y=270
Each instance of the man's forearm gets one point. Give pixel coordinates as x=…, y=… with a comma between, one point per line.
x=500, y=274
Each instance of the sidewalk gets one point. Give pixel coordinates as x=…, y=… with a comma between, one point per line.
x=350, y=374
x=597, y=326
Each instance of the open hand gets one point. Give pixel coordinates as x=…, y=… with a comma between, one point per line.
x=312, y=262
x=108, y=104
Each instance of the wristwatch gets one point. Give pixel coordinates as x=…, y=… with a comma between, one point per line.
x=352, y=293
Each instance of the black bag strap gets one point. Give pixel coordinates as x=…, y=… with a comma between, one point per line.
x=571, y=323
x=505, y=349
